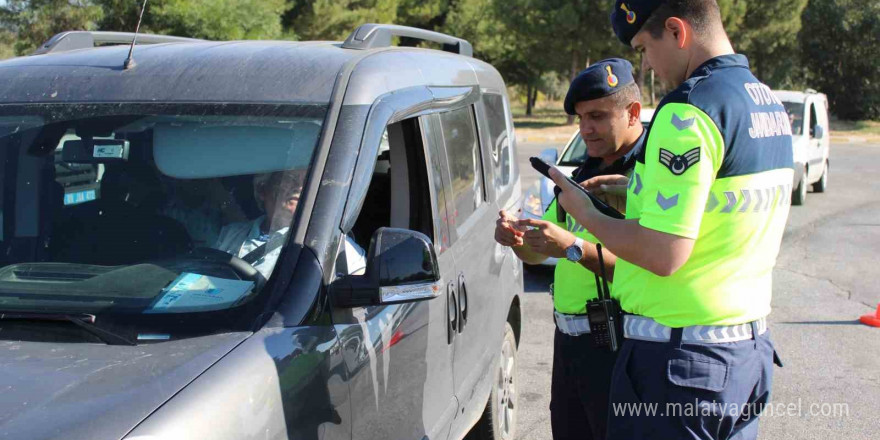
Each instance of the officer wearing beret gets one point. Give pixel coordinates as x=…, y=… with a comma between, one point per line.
x=706, y=210
x=606, y=100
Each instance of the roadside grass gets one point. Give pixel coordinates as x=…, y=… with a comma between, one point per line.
x=546, y=114
x=869, y=129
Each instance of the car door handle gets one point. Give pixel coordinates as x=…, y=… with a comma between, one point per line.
x=451, y=313
x=462, y=303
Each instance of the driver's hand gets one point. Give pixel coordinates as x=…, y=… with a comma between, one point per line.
x=507, y=232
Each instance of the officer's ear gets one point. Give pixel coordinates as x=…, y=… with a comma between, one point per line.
x=680, y=31
x=634, y=113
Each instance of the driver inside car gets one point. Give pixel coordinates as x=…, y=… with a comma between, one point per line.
x=259, y=241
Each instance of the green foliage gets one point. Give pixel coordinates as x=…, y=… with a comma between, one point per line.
x=7, y=41
x=425, y=14
x=829, y=45
x=35, y=21
x=839, y=47
x=768, y=36
x=335, y=19
x=732, y=14
x=219, y=19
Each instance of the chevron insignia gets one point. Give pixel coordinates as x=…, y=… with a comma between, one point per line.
x=682, y=124
x=678, y=164
x=666, y=202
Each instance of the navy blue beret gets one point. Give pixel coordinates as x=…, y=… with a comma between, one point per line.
x=628, y=17
x=602, y=79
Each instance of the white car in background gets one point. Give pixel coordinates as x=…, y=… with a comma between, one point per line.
x=539, y=196
x=808, y=114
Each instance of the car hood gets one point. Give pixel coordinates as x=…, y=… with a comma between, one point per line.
x=88, y=391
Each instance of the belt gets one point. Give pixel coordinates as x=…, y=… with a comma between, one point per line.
x=572, y=325
x=646, y=329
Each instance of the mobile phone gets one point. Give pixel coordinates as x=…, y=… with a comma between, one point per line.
x=544, y=168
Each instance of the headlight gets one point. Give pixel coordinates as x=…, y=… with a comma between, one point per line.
x=532, y=204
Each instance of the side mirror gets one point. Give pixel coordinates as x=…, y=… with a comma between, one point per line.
x=818, y=131
x=550, y=155
x=401, y=267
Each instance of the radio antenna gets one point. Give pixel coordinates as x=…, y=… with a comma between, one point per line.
x=129, y=62
x=602, y=269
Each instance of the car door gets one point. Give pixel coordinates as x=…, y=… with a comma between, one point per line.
x=822, y=118
x=400, y=356
x=472, y=221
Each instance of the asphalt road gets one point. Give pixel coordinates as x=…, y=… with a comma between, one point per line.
x=827, y=275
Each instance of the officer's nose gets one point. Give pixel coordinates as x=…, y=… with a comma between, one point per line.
x=586, y=128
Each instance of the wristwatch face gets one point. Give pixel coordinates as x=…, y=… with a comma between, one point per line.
x=574, y=253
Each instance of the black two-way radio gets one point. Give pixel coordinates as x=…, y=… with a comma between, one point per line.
x=604, y=313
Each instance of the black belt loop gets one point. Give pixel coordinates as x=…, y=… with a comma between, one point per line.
x=754, y=325
x=675, y=337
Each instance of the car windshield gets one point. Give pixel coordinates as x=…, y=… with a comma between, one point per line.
x=145, y=210
x=795, y=116
x=575, y=154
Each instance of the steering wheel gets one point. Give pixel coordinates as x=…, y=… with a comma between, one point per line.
x=242, y=268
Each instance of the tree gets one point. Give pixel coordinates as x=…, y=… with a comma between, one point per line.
x=336, y=19
x=504, y=34
x=767, y=34
x=839, y=48
x=35, y=21
x=7, y=42
x=425, y=14
x=219, y=19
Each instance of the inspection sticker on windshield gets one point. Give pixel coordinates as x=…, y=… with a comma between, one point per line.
x=192, y=292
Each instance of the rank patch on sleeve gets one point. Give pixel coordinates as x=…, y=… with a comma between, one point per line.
x=678, y=164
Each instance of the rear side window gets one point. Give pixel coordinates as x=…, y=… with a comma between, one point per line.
x=465, y=166
x=813, y=120
x=496, y=118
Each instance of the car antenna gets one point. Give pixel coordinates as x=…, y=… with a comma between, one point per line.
x=129, y=62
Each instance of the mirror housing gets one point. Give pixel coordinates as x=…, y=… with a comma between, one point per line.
x=818, y=131
x=401, y=267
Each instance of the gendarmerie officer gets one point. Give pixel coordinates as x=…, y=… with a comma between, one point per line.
x=606, y=100
x=706, y=210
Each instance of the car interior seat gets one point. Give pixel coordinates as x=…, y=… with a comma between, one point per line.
x=127, y=227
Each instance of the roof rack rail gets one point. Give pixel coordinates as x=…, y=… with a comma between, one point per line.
x=73, y=40
x=372, y=35
x=810, y=91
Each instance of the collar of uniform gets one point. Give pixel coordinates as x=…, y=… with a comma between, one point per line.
x=720, y=62
x=640, y=143
x=590, y=168
x=620, y=166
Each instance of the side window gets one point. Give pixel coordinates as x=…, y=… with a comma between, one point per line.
x=813, y=119
x=430, y=129
x=399, y=194
x=465, y=164
x=496, y=116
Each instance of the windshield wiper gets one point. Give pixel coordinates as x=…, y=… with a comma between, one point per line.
x=82, y=320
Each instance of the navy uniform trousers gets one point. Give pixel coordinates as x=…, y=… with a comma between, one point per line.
x=695, y=391
x=579, y=390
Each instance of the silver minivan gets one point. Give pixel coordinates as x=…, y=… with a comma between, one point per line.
x=256, y=240
x=810, y=129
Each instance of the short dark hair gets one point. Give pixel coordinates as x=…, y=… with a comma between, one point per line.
x=702, y=15
x=626, y=95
